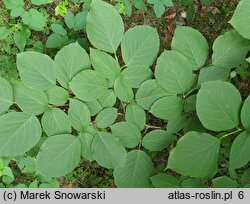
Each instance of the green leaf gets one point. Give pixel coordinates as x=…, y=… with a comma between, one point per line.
x=245, y=178
x=4, y=32
x=148, y=92
x=159, y=8
x=191, y=183
x=124, y=7
x=69, y=20
x=88, y=85
x=174, y=72
x=40, y=2
x=105, y=65
x=56, y=41
x=164, y=181
x=53, y=184
x=59, y=155
x=140, y=46
x=136, y=171
x=192, y=44
x=175, y=125
x=69, y=61
x=36, y=70
x=80, y=21
x=196, y=155
x=139, y=4
x=21, y=37
x=127, y=133
x=108, y=100
x=245, y=113
x=157, y=140
x=106, y=117
x=190, y=103
x=240, y=19
x=86, y=141
x=57, y=95
x=218, y=105
x=122, y=91
x=6, y=95
x=239, y=154
x=79, y=115
x=104, y=26
x=224, y=182
x=108, y=150
x=58, y=29
x=34, y=19
x=229, y=50
x=193, y=124
x=213, y=73
x=55, y=122
x=168, y=3
x=12, y=4
x=19, y=132
x=94, y=107
x=8, y=176
x=17, y=12
x=29, y=100
x=135, y=75
x=169, y=107
x=135, y=114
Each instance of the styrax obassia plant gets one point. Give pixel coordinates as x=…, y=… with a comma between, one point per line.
x=73, y=101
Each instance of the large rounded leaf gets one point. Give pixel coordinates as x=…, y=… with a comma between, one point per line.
x=239, y=154
x=36, y=70
x=245, y=114
x=140, y=46
x=31, y=101
x=79, y=115
x=174, y=72
x=86, y=139
x=135, y=114
x=218, y=105
x=57, y=95
x=105, y=65
x=19, y=132
x=127, y=133
x=55, y=121
x=229, y=50
x=148, y=92
x=108, y=100
x=106, y=117
x=157, y=140
x=213, y=73
x=69, y=61
x=136, y=171
x=169, y=107
x=88, y=85
x=122, y=91
x=34, y=19
x=135, y=75
x=104, y=26
x=6, y=95
x=192, y=44
x=196, y=155
x=59, y=155
x=240, y=20
x=108, y=150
